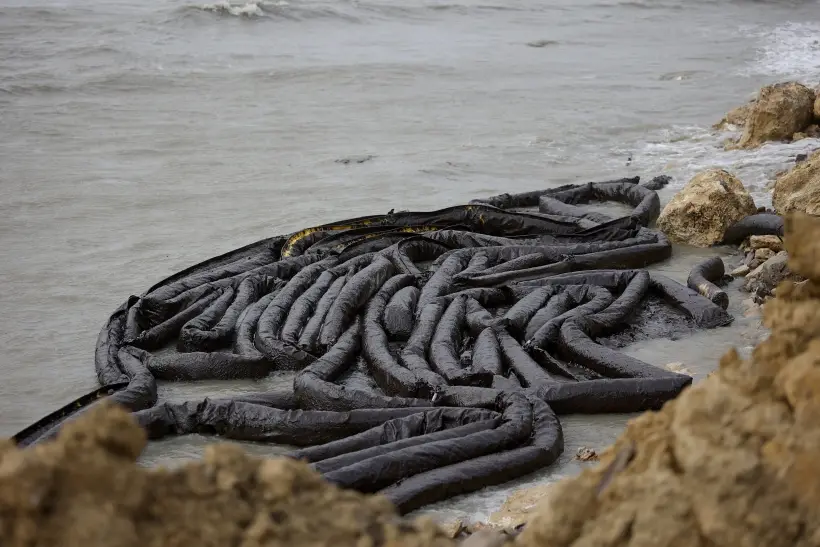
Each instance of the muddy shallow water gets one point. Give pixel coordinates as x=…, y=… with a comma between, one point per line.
x=141, y=137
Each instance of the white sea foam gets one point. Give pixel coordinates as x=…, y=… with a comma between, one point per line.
x=682, y=152
x=790, y=50
x=239, y=9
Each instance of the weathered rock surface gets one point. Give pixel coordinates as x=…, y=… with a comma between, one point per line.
x=735, y=118
x=799, y=189
x=764, y=254
x=700, y=213
x=780, y=111
x=810, y=132
x=85, y=490
x=518, y=508
x=732, y=462
x=769, y=275
x=764, y=242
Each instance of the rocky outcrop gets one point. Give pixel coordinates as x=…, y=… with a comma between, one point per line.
x=702, y=211
x=85, y=490
x=799, y=189
x=735, y=118
x=763, y=279
x=779, y=112
x=732, y=462
x=518, y=507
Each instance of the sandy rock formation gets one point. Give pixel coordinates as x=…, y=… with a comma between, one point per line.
x=732, y=462
x=700, y=213
x=735, y=117
x=780, y=111
x=519, y=506
x=774, y=243
x=799, y=189
x=817, y=106
x=810, y=132
x=766, y=277
x=84, y=490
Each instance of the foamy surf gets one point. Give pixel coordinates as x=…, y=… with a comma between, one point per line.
x=682, y=152
x=791, y=50
x=247, y=9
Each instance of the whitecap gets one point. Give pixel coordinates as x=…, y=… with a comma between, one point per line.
x=684, y=151
x=791, y=50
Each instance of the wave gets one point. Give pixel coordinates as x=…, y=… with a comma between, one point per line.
x=250, y=9
x=280, y=9
x=791, y=50
x=684, y=151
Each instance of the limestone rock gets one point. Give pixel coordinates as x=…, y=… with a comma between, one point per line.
x=780, y=111
x=586, y=454
x=740, y=271
x=799, y=189
x=702, y=211
x=810, y=132
x=768, y=275
x=732, y=462
x=452, y=528
x=764, y=254
x=85, y=490
x=817, y=108
x=518, y=507
x=765, y=242
x=735, y=117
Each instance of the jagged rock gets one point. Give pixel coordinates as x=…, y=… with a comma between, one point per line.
x=740, y=271
x=799, y=189
x=732, y=462
x=765, y=242
x=780, y=111
x=764, y=254
x=517, y=508
x=735, y=117
x=85, y=489
x=453, y=528
x=486, y=538
x=700, y=213
x=768, y=275
x=586, y=454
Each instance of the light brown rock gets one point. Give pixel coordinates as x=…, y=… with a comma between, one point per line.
x=85, y=490
x=799, y=189
x=765, y=242
x=519, y=505
x=453, y=528
x=586, y=454
x=700, y=213
x=764, y=254
x=732, y=462
x=735, y=117
x=817, y=108
x=780, y=111
x=769, y=274
x=740, y=271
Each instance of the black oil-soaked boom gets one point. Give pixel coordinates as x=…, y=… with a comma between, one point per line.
x=478, y=323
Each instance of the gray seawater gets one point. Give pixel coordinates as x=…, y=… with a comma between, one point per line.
x=137, y=138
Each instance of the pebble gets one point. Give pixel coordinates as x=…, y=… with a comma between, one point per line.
x=586, y=455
